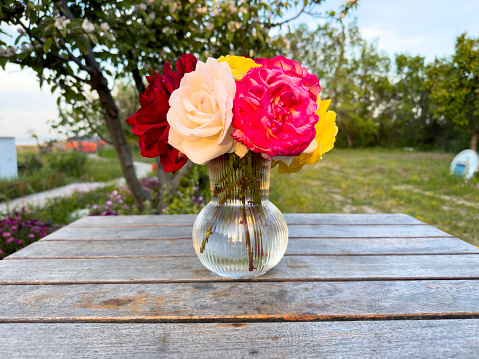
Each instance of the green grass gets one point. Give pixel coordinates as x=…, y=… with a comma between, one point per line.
x=111, y=153
x=384, y=181
x=102, y=170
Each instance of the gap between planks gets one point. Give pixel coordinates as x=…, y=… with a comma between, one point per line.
x=286, y=255
x=220, y=279
x=247, y=318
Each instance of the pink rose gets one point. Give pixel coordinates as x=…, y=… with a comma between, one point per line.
x=293, y=68
x=274, y=112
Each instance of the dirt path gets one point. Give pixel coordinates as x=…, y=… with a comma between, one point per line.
x=447, y=198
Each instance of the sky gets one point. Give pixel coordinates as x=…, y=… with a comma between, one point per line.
x=418, y=27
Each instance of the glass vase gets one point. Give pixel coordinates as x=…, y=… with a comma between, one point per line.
x=240, y=234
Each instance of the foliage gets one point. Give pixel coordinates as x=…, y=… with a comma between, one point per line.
x=405, y=102
x=59, y=169
x=192, y=194
x=454, y=85
x=38, y=181
x=80, y=47
x=20, y=228
x=352, y=73
x=35, y=223
x=71, y=163
x=30, y=164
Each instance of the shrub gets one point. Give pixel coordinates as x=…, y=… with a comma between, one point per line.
x=30, y=164
x=71, y=164
x=20, y=228
x=40, y=181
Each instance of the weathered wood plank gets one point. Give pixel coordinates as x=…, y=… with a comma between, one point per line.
x=308, y=230
x=241, y=301
x=360, y=339
x=291, y=268
x=291, y=218
x=310, y=246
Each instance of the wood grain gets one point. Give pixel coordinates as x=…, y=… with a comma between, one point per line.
x=307, y=230
x=292, y=268
x=296, y=246
x=349, y=286
x=291, y=218
x=241, y=301
x=379, y=339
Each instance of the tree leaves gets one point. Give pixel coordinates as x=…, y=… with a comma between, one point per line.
x=47, y=44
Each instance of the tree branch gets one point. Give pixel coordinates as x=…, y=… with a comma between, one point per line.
x=291, y=19
x=97, y=132
x=70, y=55
x=90, y=59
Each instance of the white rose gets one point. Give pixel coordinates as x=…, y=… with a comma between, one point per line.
x=201, y=112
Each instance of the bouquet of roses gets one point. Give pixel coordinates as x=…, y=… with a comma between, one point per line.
x=235, y=113
x=235, y=105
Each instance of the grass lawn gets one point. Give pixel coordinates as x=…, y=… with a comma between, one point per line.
x=103, y=171
x=135, y=152
x=384, y=181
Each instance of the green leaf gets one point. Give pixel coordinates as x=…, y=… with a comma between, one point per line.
x=3, y=62
x=93, y=38
x=47, y=44
x=33, y=16
x=83, y=46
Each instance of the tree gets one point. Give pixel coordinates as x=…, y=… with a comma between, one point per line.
x=79, y=47
x=454, y=86
x=352, y=73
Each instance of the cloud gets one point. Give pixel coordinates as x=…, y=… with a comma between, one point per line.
x=392, y=40
x=23, y=105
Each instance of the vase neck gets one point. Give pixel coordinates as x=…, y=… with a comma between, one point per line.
x=238, y=180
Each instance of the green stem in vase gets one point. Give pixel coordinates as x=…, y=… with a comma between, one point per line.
x=208, y=229
x=240, y=181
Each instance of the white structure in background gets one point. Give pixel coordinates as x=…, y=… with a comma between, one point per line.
x=8, y=158
x=465, y=164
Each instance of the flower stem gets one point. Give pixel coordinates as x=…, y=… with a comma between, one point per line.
x=208, y=229
x=248, y=240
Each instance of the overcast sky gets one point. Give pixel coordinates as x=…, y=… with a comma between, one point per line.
x=421, y=27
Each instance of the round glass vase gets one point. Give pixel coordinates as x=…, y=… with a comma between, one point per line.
x=240, y=234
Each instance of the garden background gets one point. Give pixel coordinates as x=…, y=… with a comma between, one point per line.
x=401, y=117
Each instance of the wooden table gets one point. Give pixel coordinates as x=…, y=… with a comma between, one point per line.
x=348, y=286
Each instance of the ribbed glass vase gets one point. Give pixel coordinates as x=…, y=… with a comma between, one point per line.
x=240, y=233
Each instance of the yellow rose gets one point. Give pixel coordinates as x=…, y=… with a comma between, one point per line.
x=239, y=65
x=326, y=131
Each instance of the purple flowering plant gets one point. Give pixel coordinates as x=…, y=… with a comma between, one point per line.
x=188, y=199
x=19, y=228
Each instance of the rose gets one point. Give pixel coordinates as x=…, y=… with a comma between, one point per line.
x=201, y=112
x=326, y=131
x=274, y=113
x=149, y=122
x=293, y=68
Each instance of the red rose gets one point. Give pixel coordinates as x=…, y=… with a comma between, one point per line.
x=149, y=122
